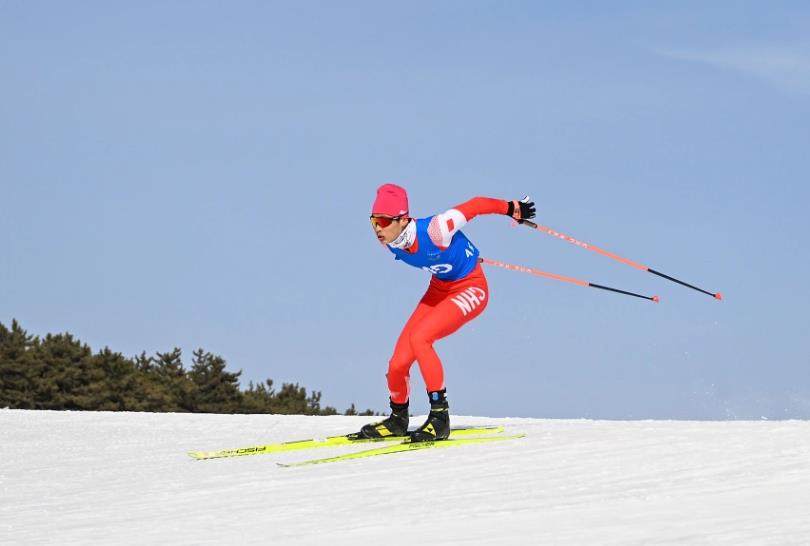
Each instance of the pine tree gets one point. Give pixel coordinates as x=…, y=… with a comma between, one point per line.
x=68, y=367
x=173, y=379
x=61, y=373
x=19, y=367
x=155, y=391
x=120, y=387
x=258, y=398
x=216, y=389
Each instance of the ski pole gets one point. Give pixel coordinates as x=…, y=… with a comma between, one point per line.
x=616, y=257
x=556, y=277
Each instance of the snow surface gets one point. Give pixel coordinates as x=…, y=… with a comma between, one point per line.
x=125, y=478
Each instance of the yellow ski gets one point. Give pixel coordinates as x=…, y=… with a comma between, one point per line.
x=325, y=442
x=404, y=446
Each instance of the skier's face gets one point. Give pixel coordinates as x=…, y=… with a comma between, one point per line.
x=387, y=228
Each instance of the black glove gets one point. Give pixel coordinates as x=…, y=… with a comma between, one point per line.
x=521, y=210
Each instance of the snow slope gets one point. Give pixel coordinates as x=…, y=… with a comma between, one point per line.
x=124, y=478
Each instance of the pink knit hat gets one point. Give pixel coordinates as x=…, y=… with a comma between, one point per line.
x=392, y=200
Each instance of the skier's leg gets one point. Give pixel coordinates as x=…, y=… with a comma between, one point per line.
x=456, y=310
x=398, y=377
x=399, y=367
x=464, y=303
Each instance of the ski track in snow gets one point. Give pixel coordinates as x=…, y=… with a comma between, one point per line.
x=125, y=478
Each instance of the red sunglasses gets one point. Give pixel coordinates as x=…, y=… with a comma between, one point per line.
x=383, y=221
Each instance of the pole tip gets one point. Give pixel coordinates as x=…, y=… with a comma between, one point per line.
x=718, y=296
x=656, y=299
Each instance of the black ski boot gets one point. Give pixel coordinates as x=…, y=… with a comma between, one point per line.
x=394, y=425
x=437, y=426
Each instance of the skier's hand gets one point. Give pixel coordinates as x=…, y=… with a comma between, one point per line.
x=521, y=210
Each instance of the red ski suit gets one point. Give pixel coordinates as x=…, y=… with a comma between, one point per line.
x=445, y=307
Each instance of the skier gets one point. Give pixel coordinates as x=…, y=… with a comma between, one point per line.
x=456, y=295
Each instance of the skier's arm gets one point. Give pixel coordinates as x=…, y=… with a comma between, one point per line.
x=443, y=226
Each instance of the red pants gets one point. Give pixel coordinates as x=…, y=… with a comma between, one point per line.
x=445, y=307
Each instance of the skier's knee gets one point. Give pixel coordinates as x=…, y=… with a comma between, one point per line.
x=398, y=366
x=419, y=340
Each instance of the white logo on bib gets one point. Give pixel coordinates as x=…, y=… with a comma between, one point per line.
x=469, y=299
x=439, y=269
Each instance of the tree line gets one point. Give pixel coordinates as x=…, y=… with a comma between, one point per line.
x=58, y=372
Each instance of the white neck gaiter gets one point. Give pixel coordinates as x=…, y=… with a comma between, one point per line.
x=406, y=238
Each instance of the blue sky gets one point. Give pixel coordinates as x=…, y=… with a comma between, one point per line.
x=199, y=174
